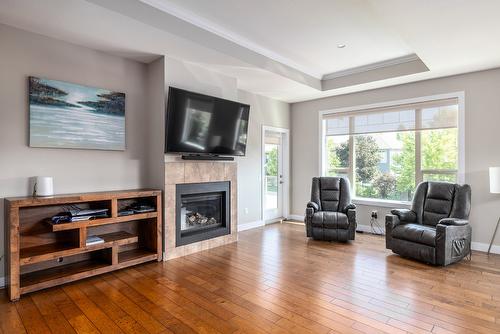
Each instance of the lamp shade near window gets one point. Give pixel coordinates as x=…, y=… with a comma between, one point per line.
x=495, y=180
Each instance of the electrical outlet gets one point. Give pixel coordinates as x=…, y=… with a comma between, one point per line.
x=246, y=211
x=374, y=214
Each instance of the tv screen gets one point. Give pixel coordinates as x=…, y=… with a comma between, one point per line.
x=202, y=124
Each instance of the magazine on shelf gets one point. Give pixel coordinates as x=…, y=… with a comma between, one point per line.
x=93, y=240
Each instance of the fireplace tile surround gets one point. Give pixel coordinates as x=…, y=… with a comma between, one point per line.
x=180, y=172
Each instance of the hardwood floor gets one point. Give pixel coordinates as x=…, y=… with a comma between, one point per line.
x=273, y=280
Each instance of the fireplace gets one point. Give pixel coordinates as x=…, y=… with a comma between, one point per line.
x=203, y=211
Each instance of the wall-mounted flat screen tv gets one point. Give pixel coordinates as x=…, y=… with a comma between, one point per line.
x=205, y=125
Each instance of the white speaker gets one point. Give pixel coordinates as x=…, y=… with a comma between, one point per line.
x=44, y=186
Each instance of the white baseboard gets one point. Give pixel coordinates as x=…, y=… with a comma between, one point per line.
x=296, y=217
x=482, y=247
x=2, y=282
x=250, y=225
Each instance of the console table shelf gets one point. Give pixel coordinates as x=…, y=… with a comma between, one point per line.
x=42, y=254
x=101, y=221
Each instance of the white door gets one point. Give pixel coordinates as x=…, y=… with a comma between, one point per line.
x=274, y=174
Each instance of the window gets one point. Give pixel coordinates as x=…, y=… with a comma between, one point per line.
x=386, y=151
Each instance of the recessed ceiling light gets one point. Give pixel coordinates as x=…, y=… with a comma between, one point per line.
x=341, y=46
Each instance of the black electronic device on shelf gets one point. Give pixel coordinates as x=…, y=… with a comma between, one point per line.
x=137, y=207
x=76, y=214
x=206, y=157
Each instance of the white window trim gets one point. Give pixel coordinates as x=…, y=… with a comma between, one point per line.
x=460, y=96
x=385, y=203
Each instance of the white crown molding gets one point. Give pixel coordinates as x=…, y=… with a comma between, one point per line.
x=373, y=66
x=169, y=8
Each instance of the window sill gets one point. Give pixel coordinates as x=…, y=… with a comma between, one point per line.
x=381, y=203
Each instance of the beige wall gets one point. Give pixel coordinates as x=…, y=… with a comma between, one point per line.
x=23, y=54
x=482, y=118
x=263, y=111
x=155, y=119
x=142, y=164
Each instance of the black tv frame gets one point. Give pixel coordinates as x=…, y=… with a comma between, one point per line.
x=198, y=155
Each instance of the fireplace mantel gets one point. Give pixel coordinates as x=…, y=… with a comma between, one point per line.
x=180, y=172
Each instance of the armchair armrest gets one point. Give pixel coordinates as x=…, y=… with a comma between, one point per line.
x=391, y=221
x=351, y=215
x=405, y=215
x=313, y=205
x=311, y=208
x=309, y=212
x=351, y=218
x=453, y=222
x=453, y=240
x=350, y=206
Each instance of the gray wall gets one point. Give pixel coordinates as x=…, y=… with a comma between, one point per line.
x=482, y=117
x=263, y=111
x=23, y=54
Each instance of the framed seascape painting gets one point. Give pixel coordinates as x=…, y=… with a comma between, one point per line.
x=67, y=115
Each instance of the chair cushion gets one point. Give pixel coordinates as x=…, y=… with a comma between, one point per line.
x=417, y=233
x=330, y=193
x=330, y=220
x=438, y=202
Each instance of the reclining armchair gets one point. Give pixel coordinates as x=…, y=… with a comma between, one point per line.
x=436, y=230
x=330, y=215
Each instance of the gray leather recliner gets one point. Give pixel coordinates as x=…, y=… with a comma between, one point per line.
x=436, y=230
x=330, y=215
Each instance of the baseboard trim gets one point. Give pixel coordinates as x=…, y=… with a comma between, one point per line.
x=296, y=217
x=365, y=228
x=482, y=247
x=250, y=225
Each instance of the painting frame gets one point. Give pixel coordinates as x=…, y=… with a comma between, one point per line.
x=68, y=115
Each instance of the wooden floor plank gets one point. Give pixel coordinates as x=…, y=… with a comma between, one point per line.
x=31, y=317
x=155, y=310
x=155, y=293
x=71, y=312
x=10, y=320
x=91, y=310
x=273, y=280
x=54, y=319
x=150, y=324
x=126, y=322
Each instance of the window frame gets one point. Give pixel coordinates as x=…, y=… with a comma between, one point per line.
x=419, y=172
